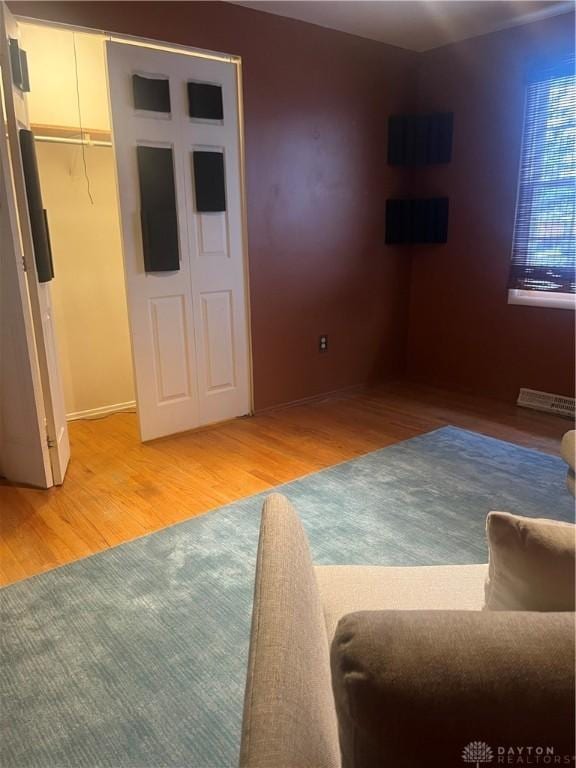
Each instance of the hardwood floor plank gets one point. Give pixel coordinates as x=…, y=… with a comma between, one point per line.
x=10, y=569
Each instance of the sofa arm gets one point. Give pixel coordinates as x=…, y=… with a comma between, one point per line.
x=289, y=714
x=418, y=688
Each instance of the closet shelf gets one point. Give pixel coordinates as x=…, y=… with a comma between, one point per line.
x=94, y=137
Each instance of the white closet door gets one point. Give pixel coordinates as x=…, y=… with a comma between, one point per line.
x=24, y=454
x=189, y=325
x=40, y=299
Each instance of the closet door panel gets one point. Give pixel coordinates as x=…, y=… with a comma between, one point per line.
x=159, y=301
x=219, y=264
x=212, y=235
x=39, y=292
x=170, y=348
x=218, y=340
x=190, y=325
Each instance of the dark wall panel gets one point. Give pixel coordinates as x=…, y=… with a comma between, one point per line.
x=420, y=139
x=417, y=221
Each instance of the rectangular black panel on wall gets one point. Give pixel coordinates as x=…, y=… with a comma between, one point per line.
x=205, y=101
x=209, y=184
x=417, y=221
x=151, y=93
x=38, y=218
x=420, y=139
x=158, y=215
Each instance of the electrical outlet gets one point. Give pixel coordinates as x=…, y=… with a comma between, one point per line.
x=323, y=344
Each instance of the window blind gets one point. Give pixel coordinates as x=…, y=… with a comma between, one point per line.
x=544, y=245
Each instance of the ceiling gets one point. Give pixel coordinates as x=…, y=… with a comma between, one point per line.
x=418, y=25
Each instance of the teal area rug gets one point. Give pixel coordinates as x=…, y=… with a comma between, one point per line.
x=136, y=657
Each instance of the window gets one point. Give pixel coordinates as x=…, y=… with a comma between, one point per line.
x=544, y=246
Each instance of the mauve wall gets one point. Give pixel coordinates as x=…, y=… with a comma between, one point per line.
x=316, y=107
x=462, y=332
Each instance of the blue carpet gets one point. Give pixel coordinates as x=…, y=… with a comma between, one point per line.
x=137, y=656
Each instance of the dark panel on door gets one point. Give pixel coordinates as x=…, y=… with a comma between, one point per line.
x=158, y=215
x=205, y=101
x=38, y=217
x=210, y=189
x=151, y=93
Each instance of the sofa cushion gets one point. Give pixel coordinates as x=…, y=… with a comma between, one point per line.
x=347, y=588
x=414, y=688
x=532, y=564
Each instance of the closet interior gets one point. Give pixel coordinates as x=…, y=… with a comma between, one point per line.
x=69, y=116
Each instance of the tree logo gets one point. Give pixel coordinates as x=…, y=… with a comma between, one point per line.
x=477, y=752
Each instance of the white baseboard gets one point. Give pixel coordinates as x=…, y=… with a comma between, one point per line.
x=105, y=410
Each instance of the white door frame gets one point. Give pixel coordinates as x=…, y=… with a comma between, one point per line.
x=236, y=60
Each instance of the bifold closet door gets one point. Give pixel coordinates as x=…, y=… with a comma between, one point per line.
x=33, y=229
x=176, y=142
x=24, y=456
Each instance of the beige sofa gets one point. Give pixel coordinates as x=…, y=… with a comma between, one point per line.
x=379, y=667
x=289, y=712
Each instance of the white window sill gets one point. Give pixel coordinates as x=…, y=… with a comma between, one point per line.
x=542, y=299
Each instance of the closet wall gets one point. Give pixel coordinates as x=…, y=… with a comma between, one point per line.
x=79, y=194
x=88, y=290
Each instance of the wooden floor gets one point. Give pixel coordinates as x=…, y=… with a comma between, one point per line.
x=118, y=489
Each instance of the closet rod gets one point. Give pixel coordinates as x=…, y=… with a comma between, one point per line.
x=63, y=140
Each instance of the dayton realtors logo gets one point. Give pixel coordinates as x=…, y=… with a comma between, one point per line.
x=479, y=753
